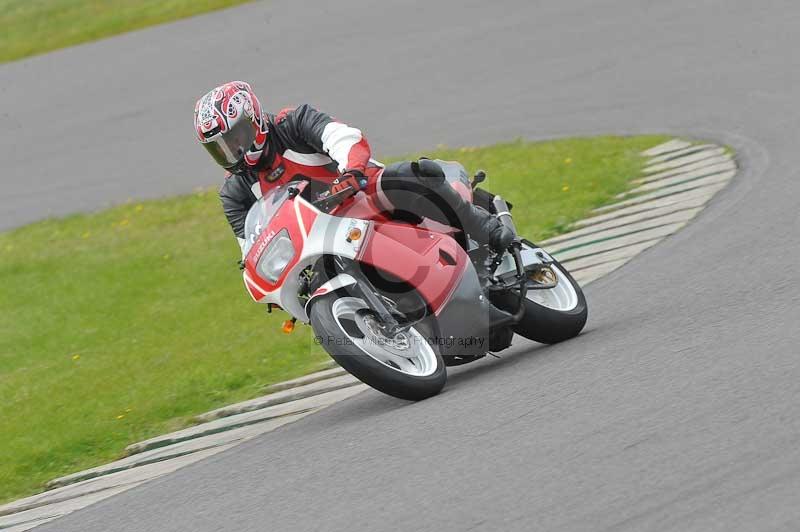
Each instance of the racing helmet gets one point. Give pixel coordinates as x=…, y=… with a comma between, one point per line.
x=230, y=125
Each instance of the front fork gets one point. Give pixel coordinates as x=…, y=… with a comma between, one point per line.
x=367, y=291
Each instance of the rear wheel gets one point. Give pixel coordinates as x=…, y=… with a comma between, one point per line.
x=555, y=314
x=405, y=365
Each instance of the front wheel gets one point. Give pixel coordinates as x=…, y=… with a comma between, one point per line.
x=406, y=366
x=555, y=314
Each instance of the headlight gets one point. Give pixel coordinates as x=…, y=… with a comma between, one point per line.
x=278, y=255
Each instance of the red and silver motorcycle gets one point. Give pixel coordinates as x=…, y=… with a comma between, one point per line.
x=395, y=303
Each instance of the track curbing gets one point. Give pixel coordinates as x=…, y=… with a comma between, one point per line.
x=680, y=178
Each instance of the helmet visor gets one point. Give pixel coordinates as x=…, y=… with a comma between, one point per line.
x=229, y=147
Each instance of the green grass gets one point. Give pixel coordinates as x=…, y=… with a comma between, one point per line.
x=121, y=325
x=35, y=26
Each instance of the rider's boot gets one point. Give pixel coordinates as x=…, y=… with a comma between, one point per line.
x=479, y=224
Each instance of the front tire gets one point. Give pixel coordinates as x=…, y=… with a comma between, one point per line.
x=407, y=367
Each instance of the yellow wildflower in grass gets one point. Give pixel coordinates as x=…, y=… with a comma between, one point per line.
x=568, y=160
x=76, y=357
x=565, y=188
x=121, y=416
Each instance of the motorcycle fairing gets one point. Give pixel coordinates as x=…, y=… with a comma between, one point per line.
x=432, y=262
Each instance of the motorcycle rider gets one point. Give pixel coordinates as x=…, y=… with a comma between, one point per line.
x=261, y=150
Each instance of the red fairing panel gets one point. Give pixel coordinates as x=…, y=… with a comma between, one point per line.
x=307, y=215
x=255, y=291
x=432, y=263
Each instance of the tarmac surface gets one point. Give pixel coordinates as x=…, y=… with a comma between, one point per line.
x=679, y=406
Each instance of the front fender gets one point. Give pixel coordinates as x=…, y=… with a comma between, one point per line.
x=340, y=281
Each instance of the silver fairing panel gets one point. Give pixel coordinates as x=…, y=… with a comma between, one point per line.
x=463, y=323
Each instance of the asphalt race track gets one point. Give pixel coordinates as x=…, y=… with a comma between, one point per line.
x=677, y=409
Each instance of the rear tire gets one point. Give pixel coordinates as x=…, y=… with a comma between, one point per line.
x=551, y=318
x=409, y=378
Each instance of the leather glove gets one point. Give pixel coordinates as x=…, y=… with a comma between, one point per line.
x=351, y=178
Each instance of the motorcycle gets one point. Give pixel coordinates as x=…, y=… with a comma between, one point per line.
x=395, y=303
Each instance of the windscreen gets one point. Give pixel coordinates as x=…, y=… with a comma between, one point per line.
x=262, y=212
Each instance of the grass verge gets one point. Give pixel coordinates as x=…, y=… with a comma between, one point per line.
x=120, y=325
x=37, y=26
